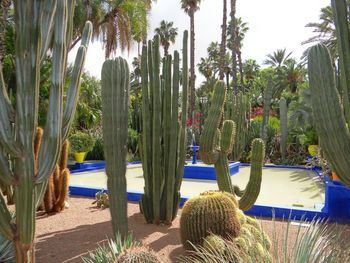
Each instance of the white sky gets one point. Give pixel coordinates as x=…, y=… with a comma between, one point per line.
x=273, y=24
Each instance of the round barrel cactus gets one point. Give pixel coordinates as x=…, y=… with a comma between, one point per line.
x=209, y=213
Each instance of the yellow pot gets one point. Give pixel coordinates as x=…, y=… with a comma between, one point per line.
x=80, y=157
x=313, y=149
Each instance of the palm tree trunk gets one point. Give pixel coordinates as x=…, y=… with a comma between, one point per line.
x=192, y=70
x=233, y=35
x=223, y=41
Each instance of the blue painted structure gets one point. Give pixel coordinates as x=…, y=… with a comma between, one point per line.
x=207, y=172
x=336, y=207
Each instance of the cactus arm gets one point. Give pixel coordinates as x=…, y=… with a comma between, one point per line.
x=328, y=114
x=115, y=96
x=173, y=154
x=156, y=143
x=6, y=228
x=182, y=137
x=343, y=38
x=284, y=126
x=252, y=190
x=227, y=136
x=267, y=103
x=6, y=115
x=7, y=176
x=209, y=154
x=49, y=8
x=74, y=86
x=223, y=177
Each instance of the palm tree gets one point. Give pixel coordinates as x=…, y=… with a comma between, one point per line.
x=116, y=23
x=213, y=51
x=223, y=40
x=277, y=58
x=236, y=43
x=190, y=7
x=250, y=70
x=233, y=50
x=294, y=74
x=205, y=67
x=167, y=34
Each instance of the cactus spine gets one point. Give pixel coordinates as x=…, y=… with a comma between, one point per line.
x=267, y=104
x=216, y=144
x=163, y=137
x=284, y=126
x=331, y=109
x=115, y=101
x=39, y=25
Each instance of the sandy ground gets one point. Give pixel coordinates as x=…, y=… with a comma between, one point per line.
x=67, y=236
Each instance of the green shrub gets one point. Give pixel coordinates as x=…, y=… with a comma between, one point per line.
x=97, y=152
x=81, y=142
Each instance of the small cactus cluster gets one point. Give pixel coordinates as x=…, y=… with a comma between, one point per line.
x=216, y=144
x=58, y=182
x=213, y=222
x=138, y=254
x=101, y=199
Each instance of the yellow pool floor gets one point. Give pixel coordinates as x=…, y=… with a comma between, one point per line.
x=280, y=186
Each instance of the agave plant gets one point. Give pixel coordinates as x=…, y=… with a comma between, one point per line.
x=7, y=251
x=109, y=252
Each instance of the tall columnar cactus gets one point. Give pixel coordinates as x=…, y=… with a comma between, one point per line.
x=216, y=144
x=163, y=135
x=115, y=101
x=266, y=114
x=331, y=109
x=284, y=126
x=210, y=212
x=240, y=109
x=39, y=25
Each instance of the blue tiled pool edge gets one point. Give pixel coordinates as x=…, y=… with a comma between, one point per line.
x=336, y=208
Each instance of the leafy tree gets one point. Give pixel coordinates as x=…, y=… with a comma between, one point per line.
x=277, y=59
x=167, y=34
x=116, y=23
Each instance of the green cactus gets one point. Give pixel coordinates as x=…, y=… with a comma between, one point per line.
x=163, y=137
x=331, y=105
x=58, y=183
x=266, y=114
x=115, y=100
x=211, y=212
x=284, y=126
x=239, y=113
x=216, y=144
x=138, y=254
x=38, y=25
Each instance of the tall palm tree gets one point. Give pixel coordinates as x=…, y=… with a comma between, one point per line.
x=213, y=51
x=236, y=42
x=277, y=59
x=223, y=40
x=190, y=7
x=205, y=67
x=233, y=50
x=167, y=34
x=250, y=70
x=116, y=23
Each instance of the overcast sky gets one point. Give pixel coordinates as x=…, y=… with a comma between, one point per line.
x=273, y=24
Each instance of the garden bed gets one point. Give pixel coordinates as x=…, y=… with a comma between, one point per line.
x=67, y=236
